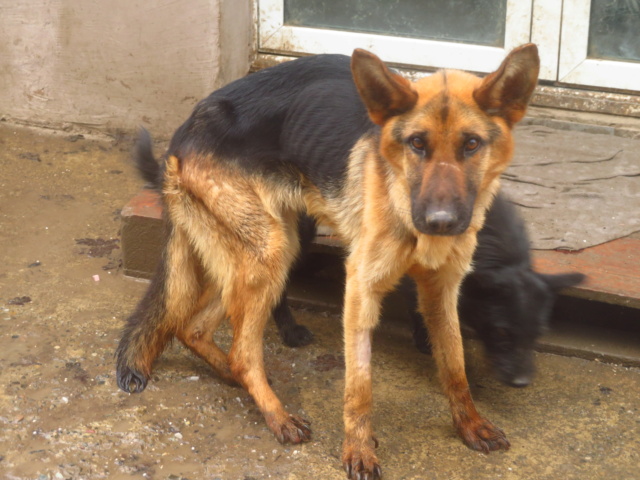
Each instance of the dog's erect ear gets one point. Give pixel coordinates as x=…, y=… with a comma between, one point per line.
x=506, y=92
x=557, y=282
x=383, y=92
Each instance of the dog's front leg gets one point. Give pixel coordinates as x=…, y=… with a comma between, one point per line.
x=361, y=312
x=438, y=296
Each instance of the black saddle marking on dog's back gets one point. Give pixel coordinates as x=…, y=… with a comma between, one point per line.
x=269, y=121
x=324, y=123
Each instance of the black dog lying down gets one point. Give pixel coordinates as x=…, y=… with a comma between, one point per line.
x=503, y=300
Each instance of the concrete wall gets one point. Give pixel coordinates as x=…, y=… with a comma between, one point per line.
x=116, y=64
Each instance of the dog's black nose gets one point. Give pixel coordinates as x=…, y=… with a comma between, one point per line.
x=441, y=222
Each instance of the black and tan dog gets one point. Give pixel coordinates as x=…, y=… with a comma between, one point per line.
x=403, y=172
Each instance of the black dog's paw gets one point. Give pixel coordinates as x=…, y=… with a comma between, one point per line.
x=421, y=337
x=130, y=380
x=297, y=336
x=422, y=344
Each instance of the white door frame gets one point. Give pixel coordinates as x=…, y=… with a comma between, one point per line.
x=574, y=65
x=545, y=33
x=560, y=28
x=274, y=36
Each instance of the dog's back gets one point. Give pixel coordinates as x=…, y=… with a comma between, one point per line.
x=297, y=117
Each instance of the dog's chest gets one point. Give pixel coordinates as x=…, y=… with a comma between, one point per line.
x=434, y=252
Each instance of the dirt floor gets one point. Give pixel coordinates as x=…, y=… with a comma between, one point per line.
x=63, y=299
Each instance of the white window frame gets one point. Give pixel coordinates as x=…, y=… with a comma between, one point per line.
x=545, y=33
x=275, y=37
x=576, y=68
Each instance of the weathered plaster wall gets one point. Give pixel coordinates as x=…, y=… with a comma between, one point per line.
x=116, y=64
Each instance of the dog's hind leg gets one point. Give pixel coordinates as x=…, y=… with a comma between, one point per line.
x=249, y=309
x=169, y=301
x=253, y=287
x=197, y=334
x=246, y=241
x=438, y=296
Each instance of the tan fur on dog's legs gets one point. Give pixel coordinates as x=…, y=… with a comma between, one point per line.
x=438, y=295
x=246, y=255
x=358, y=454
x=361, y=315
x=249, y=310
x=198, y=332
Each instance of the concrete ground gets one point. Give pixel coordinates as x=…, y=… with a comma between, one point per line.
x=63, y=299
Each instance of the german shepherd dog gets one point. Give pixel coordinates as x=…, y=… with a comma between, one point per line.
x=403, y=172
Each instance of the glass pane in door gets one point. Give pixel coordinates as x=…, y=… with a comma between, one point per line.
x=479, y=22
x=614, y=30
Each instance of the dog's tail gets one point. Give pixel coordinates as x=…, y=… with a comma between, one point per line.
x=150, y=169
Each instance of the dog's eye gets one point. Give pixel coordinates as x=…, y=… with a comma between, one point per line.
x=417, y=144
x=471, y=145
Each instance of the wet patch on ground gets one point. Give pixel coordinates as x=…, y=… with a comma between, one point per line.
x=97, y=247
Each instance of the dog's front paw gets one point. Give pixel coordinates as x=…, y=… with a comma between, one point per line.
x=482, y=435
x=360, y=462
x=293, y=429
